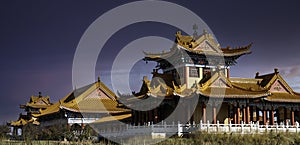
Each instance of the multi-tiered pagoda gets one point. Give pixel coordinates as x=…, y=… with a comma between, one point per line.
x=197, y=66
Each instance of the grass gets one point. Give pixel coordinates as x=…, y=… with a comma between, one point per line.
x=231, y=139
x=50, y=143
x=199, y=138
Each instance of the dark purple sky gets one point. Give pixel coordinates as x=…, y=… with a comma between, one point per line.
x=38, y=40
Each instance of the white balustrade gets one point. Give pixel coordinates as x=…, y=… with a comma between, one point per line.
x=180, y=129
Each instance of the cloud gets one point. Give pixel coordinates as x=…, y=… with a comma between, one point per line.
x=292, y=76
x=290, y=72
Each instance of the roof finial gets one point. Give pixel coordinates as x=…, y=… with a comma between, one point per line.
x=98, y=78
x=257, y=74
x=195, y=28
x=40, y=94
x=276, y=70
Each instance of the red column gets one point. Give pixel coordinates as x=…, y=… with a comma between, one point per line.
x=251, y=114
x=204, y=113
x=272, y=116
x=248, y=114
x=265, y=116
x=293, y=117
x=155, y=116
x=215, y=115
x=228, y=73
x=244, y=115
x=238, y=115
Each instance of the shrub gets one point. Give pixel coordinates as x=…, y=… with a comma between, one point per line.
x=4, y=130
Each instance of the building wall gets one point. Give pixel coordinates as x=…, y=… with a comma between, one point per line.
x=54, y=122
x=191, y=80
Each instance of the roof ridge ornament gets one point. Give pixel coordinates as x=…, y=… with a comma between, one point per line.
x=276, y=70
x=257, y=74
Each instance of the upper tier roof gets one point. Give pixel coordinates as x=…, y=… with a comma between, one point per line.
x=204, y=44
x=39, y=102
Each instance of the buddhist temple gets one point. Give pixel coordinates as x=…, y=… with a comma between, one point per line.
x=80, y=107
x=35, y=105
x=193, y=74
x=197, y=66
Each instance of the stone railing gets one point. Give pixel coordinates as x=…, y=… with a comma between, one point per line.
x=163, y=129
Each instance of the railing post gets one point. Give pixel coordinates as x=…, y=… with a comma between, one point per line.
x=276, y=127
x=218, y=126
x=179, y=129
x=230, y=126
x=152, y=126
x=257, y=126
x=250, y=126
x=297, y=125
x=267, y=125
x=242, y=126
x=200, y=126
x=207, y=126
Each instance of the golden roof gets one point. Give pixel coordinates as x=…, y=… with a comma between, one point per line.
x=190, y=44
x=269, y=79
x=284, y=97
x=38, y=102
x=288, y=95
x=220, y=86
x=93, y=98
x=22, y=122
x=217, y=85
x=94, y=105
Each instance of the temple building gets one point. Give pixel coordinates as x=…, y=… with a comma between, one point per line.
x=80, y=107
x=197, y=66
x=195, y=75
x=35, y=105
x=83, y=106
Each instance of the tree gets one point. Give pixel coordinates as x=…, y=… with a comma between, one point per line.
x=30, y=132
x=4, y=130
x=88, y=132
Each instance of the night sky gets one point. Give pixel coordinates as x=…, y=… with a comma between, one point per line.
x=38, y=40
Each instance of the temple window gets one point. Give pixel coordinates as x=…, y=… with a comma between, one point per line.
x=194, y=72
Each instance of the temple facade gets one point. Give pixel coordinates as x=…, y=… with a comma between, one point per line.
x=34, y=106
x=195, y=75
x=82, y=106
x=196, y=66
